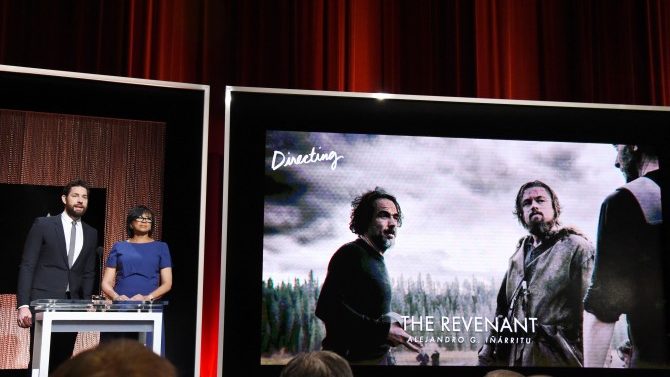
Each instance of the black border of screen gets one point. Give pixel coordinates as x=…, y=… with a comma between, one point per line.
x=253, y=111
x=182, y=110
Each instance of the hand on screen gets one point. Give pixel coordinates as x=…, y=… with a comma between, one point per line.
x=24, y=317
x=398, y=336
x=485, y=355
x=121, y=298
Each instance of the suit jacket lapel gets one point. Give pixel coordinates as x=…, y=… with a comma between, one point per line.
x=60, y=236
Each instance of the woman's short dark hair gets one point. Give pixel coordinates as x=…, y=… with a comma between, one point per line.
x=518, y=211
x=134, y=213
x=317, y=364
x=363, y=207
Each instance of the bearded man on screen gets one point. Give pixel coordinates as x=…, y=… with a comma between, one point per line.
x=547, y=278
x=355, y=300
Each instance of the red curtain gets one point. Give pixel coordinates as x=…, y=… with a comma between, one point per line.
x=560, y=50
x=568, y=50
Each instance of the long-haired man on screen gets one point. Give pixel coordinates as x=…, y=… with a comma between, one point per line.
x=628, y=274
x=355, y=300
x=547, y=277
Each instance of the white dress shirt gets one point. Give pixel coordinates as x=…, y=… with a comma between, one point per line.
x=79, y=238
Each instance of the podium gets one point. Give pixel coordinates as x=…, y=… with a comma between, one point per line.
x=92, y=315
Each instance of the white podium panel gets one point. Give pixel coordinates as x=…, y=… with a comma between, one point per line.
x=81, y=316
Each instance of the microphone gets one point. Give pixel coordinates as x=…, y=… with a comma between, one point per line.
x=99, y=252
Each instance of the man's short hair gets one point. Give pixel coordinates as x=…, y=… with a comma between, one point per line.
x=363, y=207
x=75, y=183
x=317, y=364
x=121, y=357
x=647, y=150
x=518, y=211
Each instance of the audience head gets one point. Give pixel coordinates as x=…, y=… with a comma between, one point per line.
x=510, y=373
x=503, y=373
x=317, y=364
x=118, y=358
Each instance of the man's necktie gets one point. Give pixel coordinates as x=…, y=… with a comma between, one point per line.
x=73, y=237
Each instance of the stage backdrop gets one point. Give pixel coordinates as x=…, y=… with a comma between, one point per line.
x=125, y=157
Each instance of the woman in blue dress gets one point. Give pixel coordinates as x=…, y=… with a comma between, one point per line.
x=139, y=268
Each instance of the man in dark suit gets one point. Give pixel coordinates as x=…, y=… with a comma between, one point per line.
x=58, y=262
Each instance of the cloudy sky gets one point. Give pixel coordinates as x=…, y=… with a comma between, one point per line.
x=457, y=198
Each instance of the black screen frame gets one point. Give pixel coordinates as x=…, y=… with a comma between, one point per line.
x=184, y=108
x=250, y=112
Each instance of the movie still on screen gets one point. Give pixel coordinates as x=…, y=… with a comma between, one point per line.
x=469, y=251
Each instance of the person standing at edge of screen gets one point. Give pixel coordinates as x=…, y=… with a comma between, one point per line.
x=355, y=299
x=139, y=268
x=628, y=274
x=58, y=262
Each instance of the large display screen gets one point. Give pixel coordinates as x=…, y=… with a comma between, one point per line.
x=478, y=270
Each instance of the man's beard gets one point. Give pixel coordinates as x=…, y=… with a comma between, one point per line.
x=541, y=229
x=630, y=172
x=629, y=165
x=381, y=242
x=72, y=213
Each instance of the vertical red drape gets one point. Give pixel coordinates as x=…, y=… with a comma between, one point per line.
x=561, y=50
